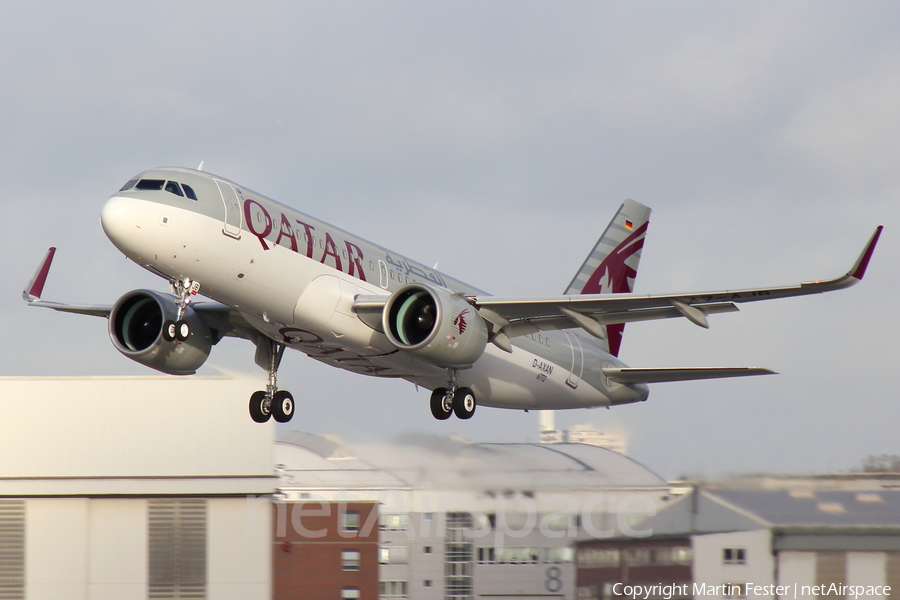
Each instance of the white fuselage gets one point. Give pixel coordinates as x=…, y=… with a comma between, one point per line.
x=295, y=278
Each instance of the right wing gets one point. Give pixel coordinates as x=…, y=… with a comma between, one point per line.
x=513, y=317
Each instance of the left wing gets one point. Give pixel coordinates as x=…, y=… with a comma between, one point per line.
x=222, y=318
x=35, y=287
x=512, y=317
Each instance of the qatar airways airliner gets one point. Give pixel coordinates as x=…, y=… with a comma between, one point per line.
x=283, y=279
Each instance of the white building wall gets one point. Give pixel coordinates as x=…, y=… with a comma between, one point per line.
x=867, y=568
x=131, y=435
x=56, y=539
x=710, y=568
x=102, y=446
x=117, y=549
x=425, y=567
x=797, y=568
x=97, y=549
x=239, y=549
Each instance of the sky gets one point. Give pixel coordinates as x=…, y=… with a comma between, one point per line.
x=496, y=139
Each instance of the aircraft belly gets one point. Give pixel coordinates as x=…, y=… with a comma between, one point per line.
x=524, y=380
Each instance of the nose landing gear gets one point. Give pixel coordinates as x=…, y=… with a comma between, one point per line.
x=180, y=329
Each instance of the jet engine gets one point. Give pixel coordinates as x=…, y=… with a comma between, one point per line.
x=434, y=325
x=136, y=330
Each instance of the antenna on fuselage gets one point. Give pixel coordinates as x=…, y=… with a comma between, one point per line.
x=200, y=168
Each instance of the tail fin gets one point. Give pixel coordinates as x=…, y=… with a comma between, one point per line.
x=612, y=265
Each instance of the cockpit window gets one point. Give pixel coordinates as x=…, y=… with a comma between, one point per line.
x=149, y=184
x=128, y=185
x=189, y=191
x=173, y=188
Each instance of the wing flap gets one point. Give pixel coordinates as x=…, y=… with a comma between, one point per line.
x=638, y=375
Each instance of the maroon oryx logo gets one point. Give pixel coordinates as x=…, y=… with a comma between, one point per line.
x=460, y=321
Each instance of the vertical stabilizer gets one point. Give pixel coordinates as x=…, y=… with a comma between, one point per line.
x=612, y=265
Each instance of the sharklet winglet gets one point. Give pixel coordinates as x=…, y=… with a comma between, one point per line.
x=35, y=287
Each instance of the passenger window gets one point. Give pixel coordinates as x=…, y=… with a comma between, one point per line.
x=149, y=184
x=189, y=191
x=128, y=185
x=173, y=188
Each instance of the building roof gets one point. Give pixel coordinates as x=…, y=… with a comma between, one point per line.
x=418, y=460
x=785, y=511
x=809, y=508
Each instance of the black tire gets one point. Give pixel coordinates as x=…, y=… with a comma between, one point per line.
x=439, y=409
x=282, y=406
x=168, y=330
x=182, y=330
x=257, y=407
x=464, y=403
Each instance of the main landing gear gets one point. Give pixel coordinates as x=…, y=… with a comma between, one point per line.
x=452, y=399
x=180, y=329
x=275, y=403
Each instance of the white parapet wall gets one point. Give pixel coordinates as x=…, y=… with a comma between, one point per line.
x=131, y=435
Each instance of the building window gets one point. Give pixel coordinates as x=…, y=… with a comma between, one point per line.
x=564, y=554
x=350, y=560
x=734, y=556
x=393, y=556
x=350, y=593
x=636, y=556
x=427, y=549
x=595, y=558
x=426, y=583
x=507, y=555
x=12, y=549
x=393, y=522
x=682, y=555
x=393, y=589
x=458, y=555
x=350, y=520
x=177, y=553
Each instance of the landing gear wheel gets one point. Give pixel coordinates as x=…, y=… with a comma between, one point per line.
x=260, y=409
x=441, y=405
x=282, y=406
x=169, y=329
x=182, y=330
x=464, y=403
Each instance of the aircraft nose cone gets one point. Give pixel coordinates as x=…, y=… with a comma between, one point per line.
x=117, y=221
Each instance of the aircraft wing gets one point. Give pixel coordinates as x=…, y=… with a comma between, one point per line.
x=512, y=317
x=225, y=320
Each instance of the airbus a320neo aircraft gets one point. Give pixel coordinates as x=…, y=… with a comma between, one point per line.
x=281, y=278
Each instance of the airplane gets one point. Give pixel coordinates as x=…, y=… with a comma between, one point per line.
x=283, y=279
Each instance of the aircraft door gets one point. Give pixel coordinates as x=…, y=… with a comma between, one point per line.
x=233, y=215
x=577, y=360
x=383, y=274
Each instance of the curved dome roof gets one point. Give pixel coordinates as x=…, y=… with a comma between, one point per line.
x=433, y=461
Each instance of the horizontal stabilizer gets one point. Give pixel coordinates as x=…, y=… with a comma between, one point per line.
x=637, y=375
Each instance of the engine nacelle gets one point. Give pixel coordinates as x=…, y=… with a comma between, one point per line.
x=136, y=330
x=435, y=326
